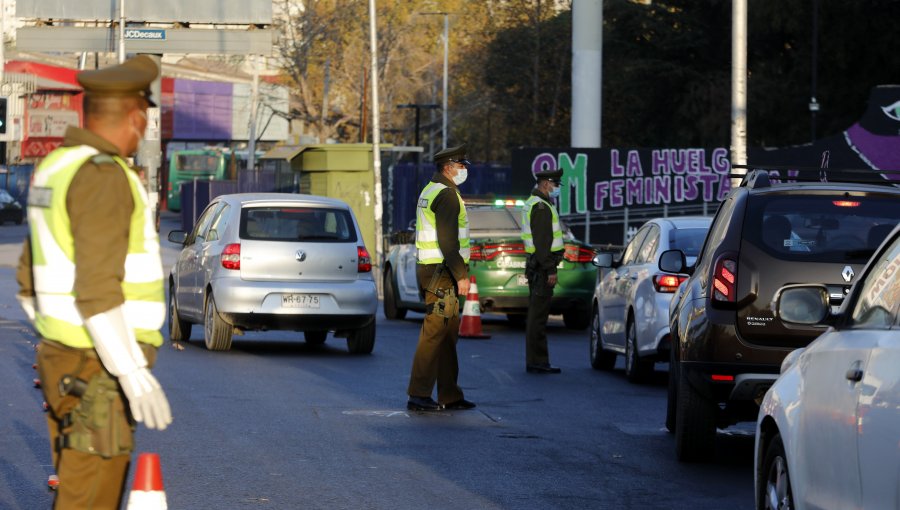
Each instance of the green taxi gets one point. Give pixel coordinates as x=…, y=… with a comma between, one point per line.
x=498, y=264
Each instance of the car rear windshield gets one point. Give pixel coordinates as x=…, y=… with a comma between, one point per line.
x=821, y=227
x=285, y=223
x=494, y=220
x=688, y=240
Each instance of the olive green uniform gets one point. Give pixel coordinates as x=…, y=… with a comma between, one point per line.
x=435, y=359
x=540, y=264
x=99, y=203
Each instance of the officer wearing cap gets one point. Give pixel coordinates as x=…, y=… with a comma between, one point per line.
x=442, y=251
x=542, y=236
x=91, y=280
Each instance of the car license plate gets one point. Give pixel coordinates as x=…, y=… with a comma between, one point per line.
x=522, y=280
x=299, y=300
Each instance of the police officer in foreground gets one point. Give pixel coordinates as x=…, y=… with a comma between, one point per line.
x=542, y=235
x=442, y=247
x=91, y=280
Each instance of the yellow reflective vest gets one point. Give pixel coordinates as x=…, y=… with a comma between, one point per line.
x=527, y=237
x=53, y=255
x=427, y=249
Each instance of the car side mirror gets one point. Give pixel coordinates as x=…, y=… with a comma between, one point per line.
x=603, y=259
x=673, y=261
x=177, y=237
x=802, y=304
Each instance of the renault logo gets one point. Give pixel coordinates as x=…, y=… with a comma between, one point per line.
x=301, y=256
x=847, y=273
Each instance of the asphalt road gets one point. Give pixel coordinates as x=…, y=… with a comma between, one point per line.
x=274, y=423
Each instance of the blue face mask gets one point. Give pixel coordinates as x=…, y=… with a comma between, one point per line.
x=554, y=193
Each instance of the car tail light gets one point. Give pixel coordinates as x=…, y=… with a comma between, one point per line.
x=722, y=378
x=724, y=280
x=475, y=252
x=845, y=203
x=578, y=254
x=492, y=251
x=231, y=256
x=667, y=282
x=365, y=262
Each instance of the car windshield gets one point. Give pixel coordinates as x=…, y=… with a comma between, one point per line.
x=485, y=222
x=297, y=224
x=688, y=240
x=821, y=227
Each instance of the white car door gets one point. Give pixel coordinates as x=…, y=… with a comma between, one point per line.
x=615, y=288
x=825, y=434
x=407, y=285
x=189, y=293
x=878, y=413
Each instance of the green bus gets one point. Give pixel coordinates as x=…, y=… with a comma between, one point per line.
x=211, y=163
x=188, y=164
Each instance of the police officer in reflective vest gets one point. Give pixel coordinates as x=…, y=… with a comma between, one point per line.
x=91, y=280
x=442, y=247
x=542, y=235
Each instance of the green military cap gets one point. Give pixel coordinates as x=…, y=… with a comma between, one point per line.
x=549, y=175
x=457, y=154
x=131, y=78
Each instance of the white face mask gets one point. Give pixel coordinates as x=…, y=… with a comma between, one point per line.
x=138, y=134
x=460, y=176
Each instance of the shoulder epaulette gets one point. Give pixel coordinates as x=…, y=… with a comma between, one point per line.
x=103, y=159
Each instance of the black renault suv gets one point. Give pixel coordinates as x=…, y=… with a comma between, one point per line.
x=727, y=343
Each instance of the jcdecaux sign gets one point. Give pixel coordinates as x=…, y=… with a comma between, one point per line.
x=146, y=34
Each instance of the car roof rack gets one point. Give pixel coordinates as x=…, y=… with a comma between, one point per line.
x=758, y=176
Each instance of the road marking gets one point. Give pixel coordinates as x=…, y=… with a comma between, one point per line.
x=380, y=414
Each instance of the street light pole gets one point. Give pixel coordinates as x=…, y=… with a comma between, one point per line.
x=446, y=58
x=376, y=147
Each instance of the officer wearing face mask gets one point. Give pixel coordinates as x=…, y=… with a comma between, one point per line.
x=91, y=280
x=442, y=251
x=543, y=239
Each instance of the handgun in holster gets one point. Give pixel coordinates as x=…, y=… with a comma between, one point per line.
x=447, y=304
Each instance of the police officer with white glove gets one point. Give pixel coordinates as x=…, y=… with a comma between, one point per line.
x=91, y=279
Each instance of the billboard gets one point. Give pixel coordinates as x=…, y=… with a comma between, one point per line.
x=168, y=11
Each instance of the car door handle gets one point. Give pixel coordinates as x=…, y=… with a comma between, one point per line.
x=854, y=373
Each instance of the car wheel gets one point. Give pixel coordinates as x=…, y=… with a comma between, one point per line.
x=392, y=310
x=775, y=489
x=216, y=332
x=362, y=340
x=179, y=329
x=600, y=358
x=315, y=337
x=577, y=319
x=695, y=423
x=636, y=369
x=671, y=401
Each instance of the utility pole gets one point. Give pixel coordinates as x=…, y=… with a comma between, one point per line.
x=813, y=104
x=738, y=86
x=418, y=107
x=121, y=31
x=446, y=58
x=254, y=104
x=376, y=148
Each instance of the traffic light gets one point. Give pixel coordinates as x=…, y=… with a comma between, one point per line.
x=3, y=115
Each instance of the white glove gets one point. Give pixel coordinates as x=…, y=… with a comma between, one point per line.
x=146, y=398
x=120, y=354
x=27, y=303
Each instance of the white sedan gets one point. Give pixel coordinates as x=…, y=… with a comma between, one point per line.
x=828, y=433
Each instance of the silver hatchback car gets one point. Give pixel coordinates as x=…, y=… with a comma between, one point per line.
x=259, y=261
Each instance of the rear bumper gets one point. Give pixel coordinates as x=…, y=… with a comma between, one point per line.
x=258, y=305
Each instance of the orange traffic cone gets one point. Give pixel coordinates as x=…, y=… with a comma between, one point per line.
x=470, y=323
x=147, y=492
